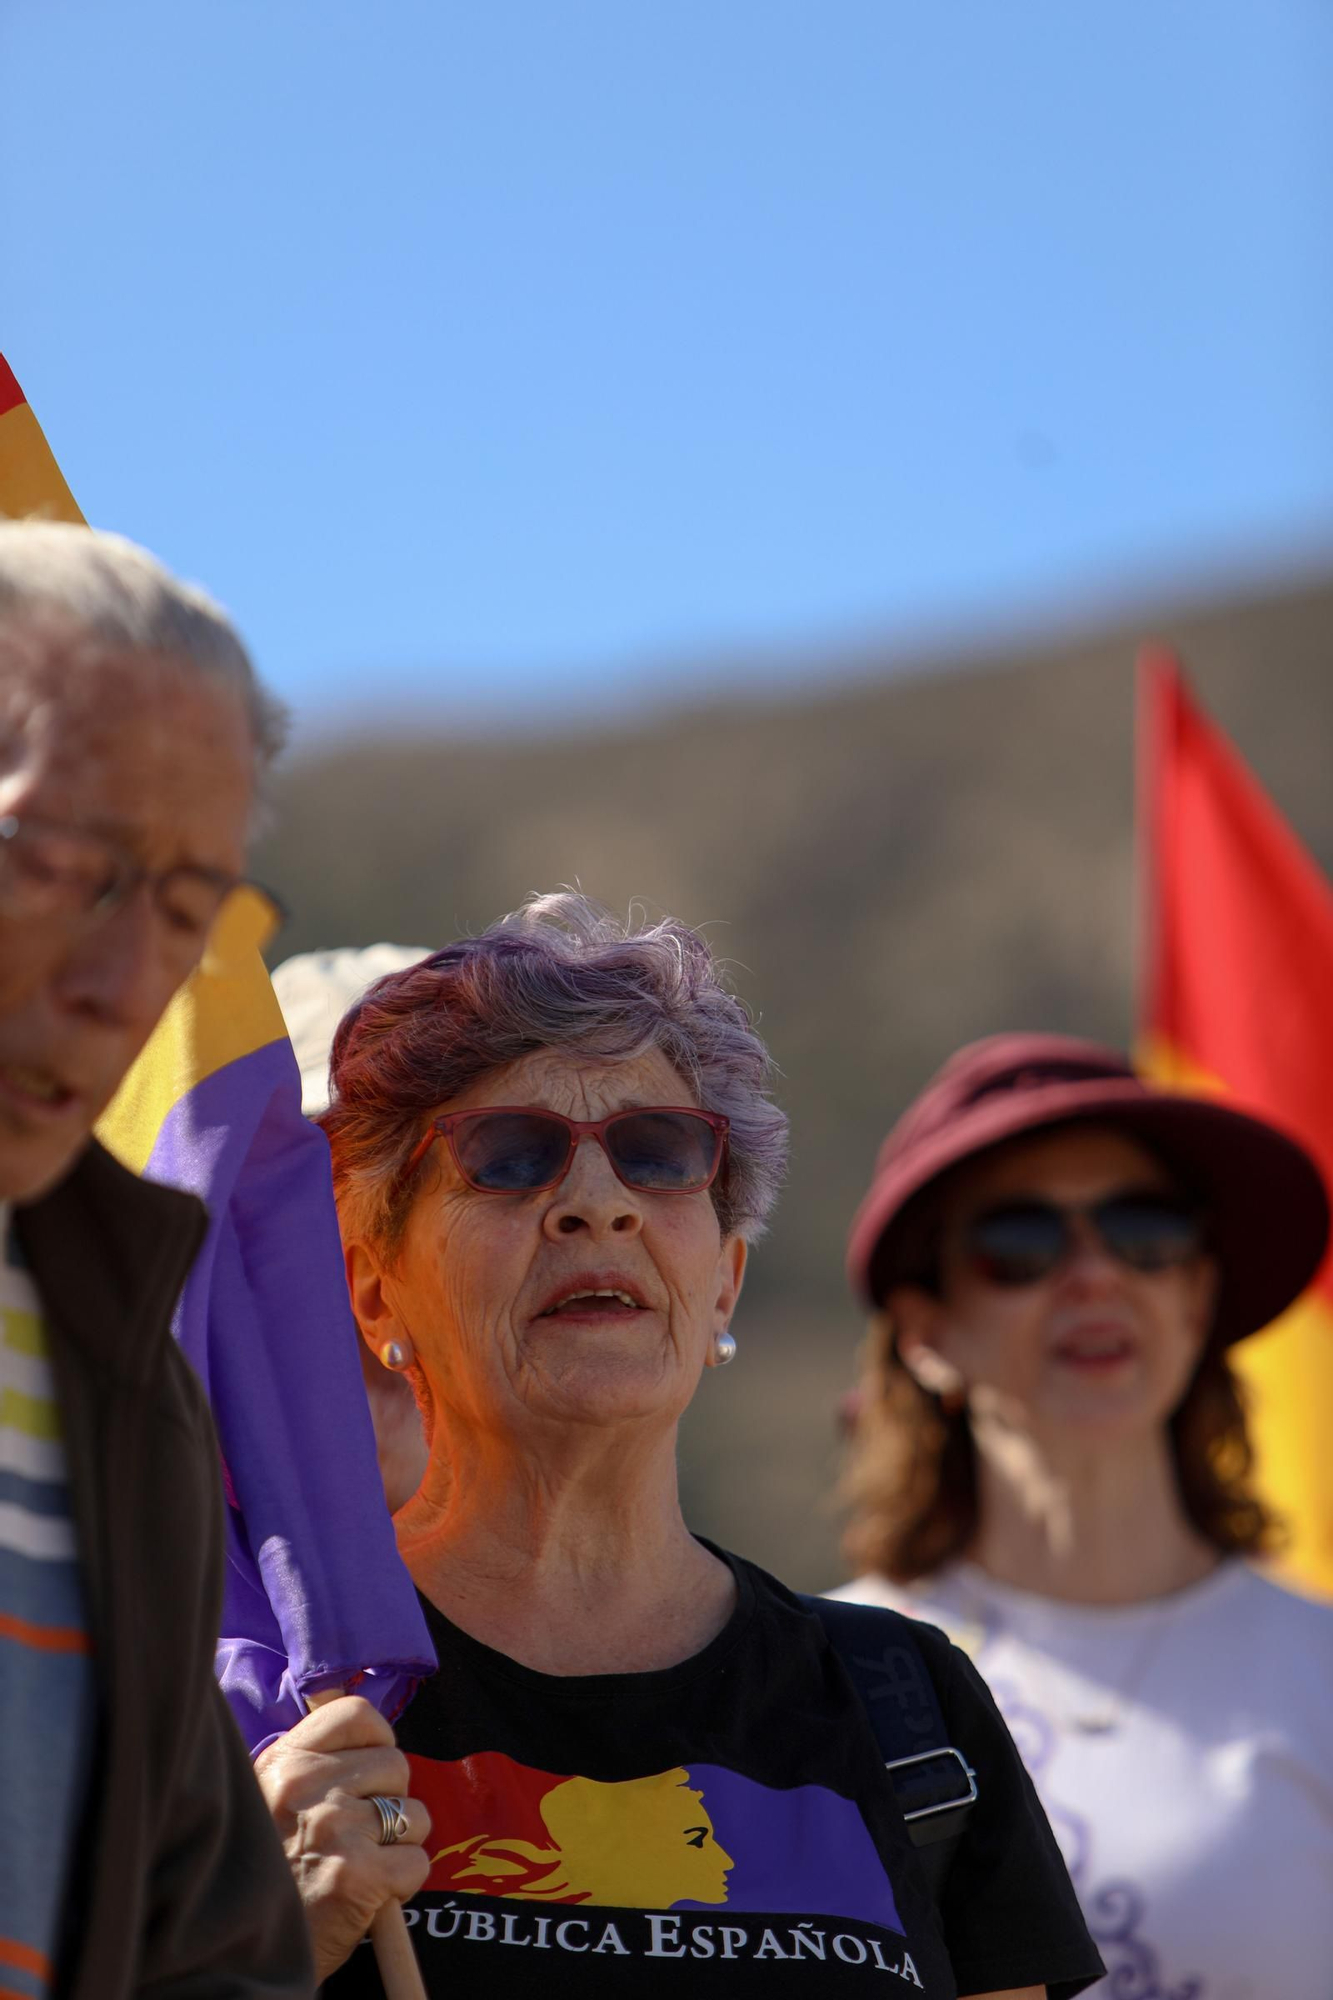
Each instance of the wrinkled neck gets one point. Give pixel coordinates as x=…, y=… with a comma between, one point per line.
x=571, y=1556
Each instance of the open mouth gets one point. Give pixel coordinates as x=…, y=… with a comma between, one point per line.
x=35, y=1088
x=1095, y=1352
x=599, y=1302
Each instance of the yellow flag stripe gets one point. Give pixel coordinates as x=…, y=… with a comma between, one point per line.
x=1288, y=1382
x=1286, y=1375
x=226, y=1010
x=1160, y=1059
x=30, y=480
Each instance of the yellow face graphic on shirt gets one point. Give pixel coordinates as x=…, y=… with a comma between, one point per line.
x=645, y=1843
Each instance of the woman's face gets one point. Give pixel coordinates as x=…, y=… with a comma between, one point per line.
x=492, y=1290
x=1094, y=1348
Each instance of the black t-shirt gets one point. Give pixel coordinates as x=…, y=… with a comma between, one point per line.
x=724, y=1827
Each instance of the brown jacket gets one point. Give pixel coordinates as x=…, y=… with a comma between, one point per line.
x=179, y=1888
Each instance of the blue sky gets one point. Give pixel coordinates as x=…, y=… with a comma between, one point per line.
x=506, y=359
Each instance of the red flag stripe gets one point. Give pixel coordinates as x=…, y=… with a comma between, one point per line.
x=10, y=393
x=1239, y=923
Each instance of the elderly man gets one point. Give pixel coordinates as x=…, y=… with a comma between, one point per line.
x=135, y=1851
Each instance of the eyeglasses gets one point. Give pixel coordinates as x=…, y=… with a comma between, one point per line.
x=1020, y=1242
x=522, y=1149
x=51, y=870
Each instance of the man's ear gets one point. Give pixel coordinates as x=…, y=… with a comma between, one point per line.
x=917, y=1317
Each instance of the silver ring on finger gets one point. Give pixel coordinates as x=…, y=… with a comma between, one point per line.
x=393, y=1819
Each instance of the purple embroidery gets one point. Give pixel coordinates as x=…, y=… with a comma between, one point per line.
x=1116, y=1910
x=1114, y=1914
x=1034, y=1734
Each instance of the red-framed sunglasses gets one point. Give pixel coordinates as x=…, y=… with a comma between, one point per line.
x=525, y=1149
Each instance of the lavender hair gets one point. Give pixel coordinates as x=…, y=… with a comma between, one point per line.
x=559, y=973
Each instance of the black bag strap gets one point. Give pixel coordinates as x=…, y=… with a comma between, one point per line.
x=934, y=1785
x=887, y=1670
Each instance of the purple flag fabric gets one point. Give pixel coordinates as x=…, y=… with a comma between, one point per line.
x=316, y=1594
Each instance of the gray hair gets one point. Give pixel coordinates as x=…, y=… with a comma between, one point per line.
x=559, y=973
x=117, y=593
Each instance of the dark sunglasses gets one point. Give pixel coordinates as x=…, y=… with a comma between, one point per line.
x=522, y=1149
x=1020, y=1242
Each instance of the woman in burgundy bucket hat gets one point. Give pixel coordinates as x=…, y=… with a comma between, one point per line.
x=1051, y=1462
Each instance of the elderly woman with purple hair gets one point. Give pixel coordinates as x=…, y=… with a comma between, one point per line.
x=642, y=1761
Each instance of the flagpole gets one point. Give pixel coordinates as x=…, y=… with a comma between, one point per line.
x=400, y=1975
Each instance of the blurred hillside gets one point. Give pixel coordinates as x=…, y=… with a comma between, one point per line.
x=891, y=867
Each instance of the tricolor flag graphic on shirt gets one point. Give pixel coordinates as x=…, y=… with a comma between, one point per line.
x=1238, y=1000
x=695, y=1837
x=316, y=1595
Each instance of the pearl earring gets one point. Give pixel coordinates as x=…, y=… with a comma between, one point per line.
x=724, y=1347
x=393, y=1354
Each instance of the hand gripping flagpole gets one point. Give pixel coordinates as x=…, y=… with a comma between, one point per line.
x=316, y=1600
x=400, y=1975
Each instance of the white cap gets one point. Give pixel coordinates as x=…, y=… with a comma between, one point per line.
x=314, y=991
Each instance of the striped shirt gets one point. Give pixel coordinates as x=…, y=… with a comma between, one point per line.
x=46, y=1682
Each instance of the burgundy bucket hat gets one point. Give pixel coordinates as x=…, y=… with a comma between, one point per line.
x=1267, y=1206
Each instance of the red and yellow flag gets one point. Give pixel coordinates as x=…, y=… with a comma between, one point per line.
x=30, y=480
x=1238, y=1000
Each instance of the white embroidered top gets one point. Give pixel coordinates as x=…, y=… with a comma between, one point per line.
x=1183, y=1750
